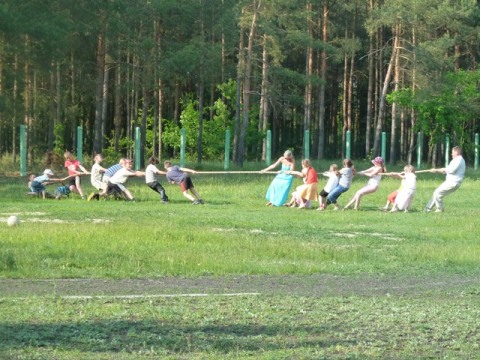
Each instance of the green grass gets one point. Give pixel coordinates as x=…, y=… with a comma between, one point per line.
x=234, y=234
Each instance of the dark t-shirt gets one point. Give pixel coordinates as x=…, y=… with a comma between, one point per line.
x=175, y=174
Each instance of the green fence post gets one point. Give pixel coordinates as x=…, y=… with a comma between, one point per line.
x=447, y=149
x=476, y=151
x=419, y=150
x=79, y=143
x=183, y=143
x=137, y=148
x=306, y=144
x=23, y=150
x=384, y=145
x=226, y=165
x=348, y=145
x=269, y=148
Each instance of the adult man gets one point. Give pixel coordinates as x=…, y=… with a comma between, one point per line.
x=455, y=172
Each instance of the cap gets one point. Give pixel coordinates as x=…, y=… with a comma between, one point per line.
x=378, y=160
x=48, y=172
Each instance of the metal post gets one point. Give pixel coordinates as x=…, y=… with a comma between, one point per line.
x=269, y=147
x=447, y=149
x=348, y=145
x=226, y=165
x=419, y=150
x=79, y=143
x=183, y=142
x=384, y=145
x=137, y=148
x=23, y=150
x=306, y=144
x=476, y=151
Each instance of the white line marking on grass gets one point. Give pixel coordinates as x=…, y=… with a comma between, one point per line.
x=130, y=297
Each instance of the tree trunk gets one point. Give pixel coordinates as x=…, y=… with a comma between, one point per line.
x=383, y=95
x=238, y=97
x=201, y=100
x=393, y=131
x=307, y=117
x=263, y=116
x=117, y=117
x=345, y=100
x=98, y=125
x=246, y=89
x=370, y=102
x=323, y=74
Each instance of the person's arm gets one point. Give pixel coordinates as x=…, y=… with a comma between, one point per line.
x=187, y=170
x=159, y=172
x=85, y=171
x=440, y=170
x=366, y=172
x=273, y=166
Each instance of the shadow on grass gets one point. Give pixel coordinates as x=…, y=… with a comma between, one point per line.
x=132, y=336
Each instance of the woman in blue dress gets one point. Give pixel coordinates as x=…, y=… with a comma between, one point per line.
x=277, y=193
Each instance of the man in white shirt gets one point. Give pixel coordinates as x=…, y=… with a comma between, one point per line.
x=117, y=181
x=455, y=172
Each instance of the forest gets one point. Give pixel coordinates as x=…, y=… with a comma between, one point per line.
x=401, y=67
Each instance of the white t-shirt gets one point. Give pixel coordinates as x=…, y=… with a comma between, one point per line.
x=346, y=176
x=409, y=181
x=96, y=176
x=150, y=173
x=456, y=170
x=121, y=176
x=332, y=181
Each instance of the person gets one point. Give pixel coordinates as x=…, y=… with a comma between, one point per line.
x=37, y=184
x=150, y=178
x=455, y=172
x=72, y=166
x=96, y=175
x=117, y=182
x=109, y=172
x=333, y=177
x=403, y=197
x=344, y=182
x=277, y=192
x=375, y=176
x=309, y=190
x=296, y=200
x=178, y=175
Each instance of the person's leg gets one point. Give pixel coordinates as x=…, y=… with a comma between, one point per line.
x=364, y=191
x=443, y=190
x=188, y=196
x=79, y=186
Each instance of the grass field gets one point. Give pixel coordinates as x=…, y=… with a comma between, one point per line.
x=235, y=279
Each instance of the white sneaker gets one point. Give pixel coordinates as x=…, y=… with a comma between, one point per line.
x=439, y=210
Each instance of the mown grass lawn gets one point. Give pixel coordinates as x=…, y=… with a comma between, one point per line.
x=234, y=234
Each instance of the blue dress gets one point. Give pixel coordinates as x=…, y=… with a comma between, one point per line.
x=278, y=191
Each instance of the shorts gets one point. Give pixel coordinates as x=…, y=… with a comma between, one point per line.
x=37, y=186
x=72, y=181
x=323, y=193
x=186, y=184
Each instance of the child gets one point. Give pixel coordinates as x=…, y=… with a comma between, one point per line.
x=109, y=173
x=296, y=200
x=404, y=198
x=37, y=184
x=309, y=190
x=118, y=180
x=72, y=166
x=150, y=178
x=176, y=175
x=96, y=175
x=332, y=182
x=375, y=175
x=344, y=182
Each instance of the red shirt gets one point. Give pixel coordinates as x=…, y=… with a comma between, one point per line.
x=72, y=166
x=312, y=176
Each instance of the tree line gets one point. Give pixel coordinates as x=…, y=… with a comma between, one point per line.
x=327, y=66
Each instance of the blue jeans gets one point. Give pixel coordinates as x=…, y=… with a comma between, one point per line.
x=335, y=194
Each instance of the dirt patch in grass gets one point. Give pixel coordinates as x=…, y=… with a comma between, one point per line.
x=319, y=285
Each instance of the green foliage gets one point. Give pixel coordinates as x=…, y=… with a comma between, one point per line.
x=447, y=108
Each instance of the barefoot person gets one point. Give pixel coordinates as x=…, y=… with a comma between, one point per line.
x=279, y=189
x=455, y=172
